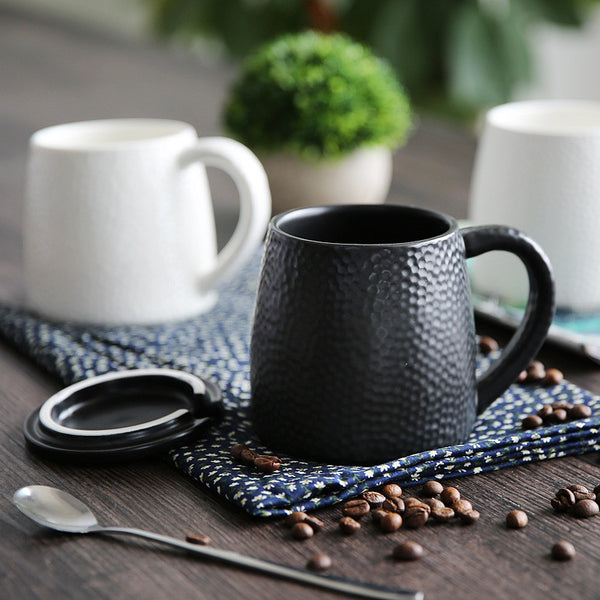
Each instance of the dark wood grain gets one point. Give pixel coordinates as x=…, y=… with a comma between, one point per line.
x=53, y=73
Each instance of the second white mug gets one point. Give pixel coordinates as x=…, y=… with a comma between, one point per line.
x=119, y=226
x=538, y=169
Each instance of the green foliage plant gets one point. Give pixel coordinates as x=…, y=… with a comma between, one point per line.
x=317, y=96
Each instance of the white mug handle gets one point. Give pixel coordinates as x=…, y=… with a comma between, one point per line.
x=255, y=201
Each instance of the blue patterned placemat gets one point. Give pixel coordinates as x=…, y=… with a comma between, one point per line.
x=215, y=346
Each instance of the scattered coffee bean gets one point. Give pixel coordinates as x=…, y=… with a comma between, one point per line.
x=535, y=371
x=469, y=517
x=583, y=509
x=561, y=404
x=416, y=516
x=442, y=514
x=319, y=562
x=394, y=504
x=315, y=523
x=200, y=540
x=378, y=514
x=390, y=522
x=462, y=506
x=558, y=416
x=565, y=498
x=267, y=464
x=348, y=525
x=487, y=344
x=432, y=488
x=434, y=503
x=408, y=551
x=545, y=411
x=553, y=377
x=449, y=496
x=375, y=499
x=356, y=508
x=302, y=531
x=236, y=451
x=247, y=457
x=391, y=490
x=563, y=551
x=408, y=502
x=576, y=488
x=296, y=517
x=532, y=422
x=516, y=519
x=579, y=411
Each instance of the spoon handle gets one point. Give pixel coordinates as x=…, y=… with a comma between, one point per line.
x=339, y=584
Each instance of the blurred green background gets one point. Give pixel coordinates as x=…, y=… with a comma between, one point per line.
x=455, y=57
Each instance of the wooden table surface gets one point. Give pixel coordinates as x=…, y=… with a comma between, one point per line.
x=52, y=73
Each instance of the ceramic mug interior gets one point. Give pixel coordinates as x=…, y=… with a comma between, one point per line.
x=364, y=224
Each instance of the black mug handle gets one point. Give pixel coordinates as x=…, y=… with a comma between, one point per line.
x=539, y=313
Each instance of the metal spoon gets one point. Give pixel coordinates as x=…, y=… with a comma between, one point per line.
x=58, y=510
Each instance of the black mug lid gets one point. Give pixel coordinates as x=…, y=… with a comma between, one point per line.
x=123, y=415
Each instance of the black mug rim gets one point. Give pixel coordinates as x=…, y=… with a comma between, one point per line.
x=396, y=209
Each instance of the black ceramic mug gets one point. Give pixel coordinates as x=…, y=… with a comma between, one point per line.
x=363, y=344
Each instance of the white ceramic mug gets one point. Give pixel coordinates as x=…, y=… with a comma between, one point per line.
x=538, y=169
x=119, y=225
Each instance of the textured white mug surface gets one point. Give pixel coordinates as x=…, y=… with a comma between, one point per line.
x=538, y=169
x=119, y=224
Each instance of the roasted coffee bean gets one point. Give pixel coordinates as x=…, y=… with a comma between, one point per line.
x=487, y=344
x=516, y=519
x=469, y=517
x=597, y=490
x=443, y=514
x=557, y=505
x=576, y=488
x=434, y=503
x=408, y=502
x=375, y=499
x=416, y=516
x=267, y=464
x=532, y=422
x=580, y=411
x=236, y=451
x=200, y=540
x=378, y=514
x=296, y=517
x=558, y=416
x=431, y=488
x=583, y=509
x=536, y=371
x=449, y=496
x=561, y=404
x=302, y=531
x=566, y=498
x=563, y=551
x=408, y=551
x=461, y=506
x=553, y=377
x=315, y=523
x=348, y=525
x=545, y=412
x=584, y=496
x=391, y=490
x=394, y=504
x=390, y=522
x=319, y=562
x=356, y=508
x=247, y=457
x=522, y=377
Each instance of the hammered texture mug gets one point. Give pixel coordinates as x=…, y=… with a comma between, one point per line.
x=363, y=344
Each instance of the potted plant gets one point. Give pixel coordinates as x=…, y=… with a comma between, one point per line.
x=323, y=114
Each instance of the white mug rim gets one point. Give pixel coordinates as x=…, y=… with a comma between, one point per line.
x=79, y=135
x=525, y=117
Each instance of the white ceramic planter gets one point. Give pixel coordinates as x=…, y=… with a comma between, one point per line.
x=362, y=177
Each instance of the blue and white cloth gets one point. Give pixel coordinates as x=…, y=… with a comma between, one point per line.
x=215, y=346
